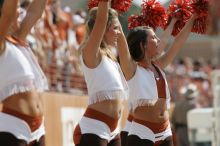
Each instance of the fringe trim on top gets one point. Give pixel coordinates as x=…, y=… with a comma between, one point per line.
x=143, y=102
x=147, y=102
x=107, y=95
x=22, y=86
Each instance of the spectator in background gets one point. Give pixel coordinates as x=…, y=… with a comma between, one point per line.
x=79, y=24
x=179, y=115
x=200, y=79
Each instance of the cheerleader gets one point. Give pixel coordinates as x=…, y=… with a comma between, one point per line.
x=21, y=78
x=142, y=63
x=105, y=82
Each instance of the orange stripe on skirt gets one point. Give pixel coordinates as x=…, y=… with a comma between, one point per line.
x=155, y=127
x=33, y=122
x=93, y=114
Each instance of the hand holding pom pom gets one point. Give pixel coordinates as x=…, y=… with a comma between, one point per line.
x=134, y=21
x=154, y=14
x=201, y=7
x=92, y=4
x=182, y=11
x=122, y=5
x=119, y=5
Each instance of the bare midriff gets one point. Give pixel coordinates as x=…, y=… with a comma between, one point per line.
x=156, y=112
x=112, y=108
x=28, y=103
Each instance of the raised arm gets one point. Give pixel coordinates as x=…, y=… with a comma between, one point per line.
x=34, y=12
x=91, y=47
x=177, y=44
x=7, y=15
x=166, y=35
x=127, y=64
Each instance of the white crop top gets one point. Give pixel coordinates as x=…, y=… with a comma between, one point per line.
x=105, y=82
x=19, y=71
x=143, y=88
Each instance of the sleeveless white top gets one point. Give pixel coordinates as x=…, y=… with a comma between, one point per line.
x=105, y=82
x=19, y=71
x=143, y=88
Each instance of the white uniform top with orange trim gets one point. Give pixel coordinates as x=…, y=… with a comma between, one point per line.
x=143, y=88
x=19, y=71
x=105, y=82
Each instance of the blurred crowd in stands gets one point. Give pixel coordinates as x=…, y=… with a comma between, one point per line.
x=194, y=74
x=55, y=41
x=56, y=38
x=190, y=84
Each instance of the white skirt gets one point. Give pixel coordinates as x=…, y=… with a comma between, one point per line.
x=19, y=128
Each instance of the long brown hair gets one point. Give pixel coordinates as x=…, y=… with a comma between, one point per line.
x=112, y=14
x=137, y=37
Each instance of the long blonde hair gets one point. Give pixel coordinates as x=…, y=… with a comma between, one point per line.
x=90, y=24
